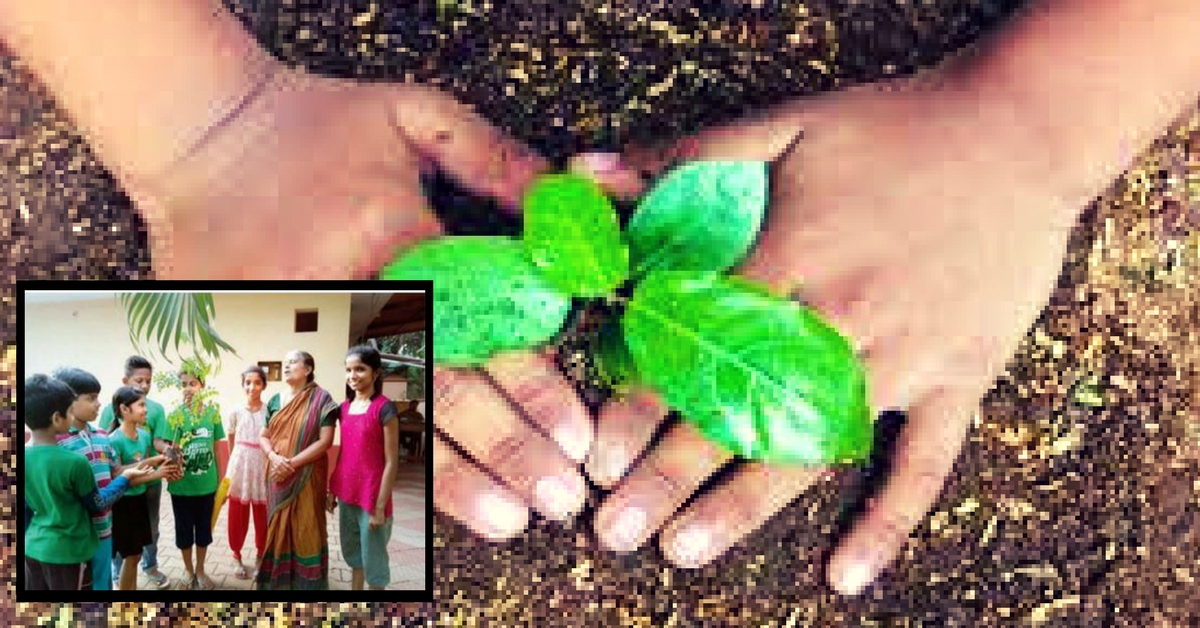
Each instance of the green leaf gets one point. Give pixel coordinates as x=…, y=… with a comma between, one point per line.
x=760, y=375
x=168, y=306
x=702, y=216
x=573, y=236
x=487, y=296
x=160, y=318
x=614, y=363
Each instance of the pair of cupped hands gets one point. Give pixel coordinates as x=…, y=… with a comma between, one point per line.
x=154, y=468
x=925, y=233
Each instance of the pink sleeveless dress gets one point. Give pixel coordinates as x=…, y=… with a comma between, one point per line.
x=360, y=464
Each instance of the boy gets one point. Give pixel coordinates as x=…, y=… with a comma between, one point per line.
x=192, y=498
x=60, y=492
x=139, y=374
x=93, y=443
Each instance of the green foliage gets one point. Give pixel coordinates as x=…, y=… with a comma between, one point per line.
x=614, y=363
x=573, y=237
x=201, y=406
x=761, y=375
x=487, y=297
x=702, y=216
x=411, y=344
x=173, y=319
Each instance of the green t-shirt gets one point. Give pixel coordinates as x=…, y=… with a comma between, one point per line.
x=155, y=415
x=197, y=445
x=61, y=531
x=132, y=452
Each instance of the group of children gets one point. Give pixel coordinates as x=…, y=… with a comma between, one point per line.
x=93, y=495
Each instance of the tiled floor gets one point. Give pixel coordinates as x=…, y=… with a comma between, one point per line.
x=406, y=548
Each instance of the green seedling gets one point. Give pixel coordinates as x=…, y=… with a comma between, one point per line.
x=759, y=374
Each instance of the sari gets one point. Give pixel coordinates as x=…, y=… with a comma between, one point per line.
x=297, y=546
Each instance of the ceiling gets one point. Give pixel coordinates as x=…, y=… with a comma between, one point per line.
x=373, y=315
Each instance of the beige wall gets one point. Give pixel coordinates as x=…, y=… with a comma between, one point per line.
x=92, y=335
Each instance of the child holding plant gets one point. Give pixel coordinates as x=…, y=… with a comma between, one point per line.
x=191, y=431
x=366, y=469
x=140, y=373
x=134, y=448
x=61, y=540
x=247, y=471
x=93, y=443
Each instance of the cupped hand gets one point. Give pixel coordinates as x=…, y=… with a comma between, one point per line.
x=930, y=227
x=174, y=473
x=523, y=431
x=153, y=462
x=318, y=178
x=138, y=475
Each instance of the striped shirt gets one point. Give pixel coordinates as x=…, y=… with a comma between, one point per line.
x=93, y=443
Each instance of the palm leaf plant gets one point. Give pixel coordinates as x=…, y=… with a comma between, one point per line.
x=174, y=320
x=759, y=374
x=162, y=320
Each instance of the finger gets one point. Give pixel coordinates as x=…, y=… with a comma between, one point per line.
x=463, y=492
x=610, y=173
x=623, y=430
x=534, y=383
x=462, y=143
x=925, y=456
x=764, y=137
x=473, y=413
x=723, y=516
x=385, y=214
x=900, y=366
x=657, y=487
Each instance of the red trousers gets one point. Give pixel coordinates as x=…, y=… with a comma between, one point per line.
x=239, y=524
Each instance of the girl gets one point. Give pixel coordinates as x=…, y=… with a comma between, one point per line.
x=247, y=471
x=133, y=448
x=197, y=426
x=362, y=480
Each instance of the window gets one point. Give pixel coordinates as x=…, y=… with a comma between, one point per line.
x=306, y=320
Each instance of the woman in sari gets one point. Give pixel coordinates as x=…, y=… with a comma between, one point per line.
x=299, y=429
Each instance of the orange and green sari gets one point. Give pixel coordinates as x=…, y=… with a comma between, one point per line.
x=297, y=547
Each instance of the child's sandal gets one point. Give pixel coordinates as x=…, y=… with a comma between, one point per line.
x=157, y=578
x=204, y=583
x=241, y=573
x=186, y=585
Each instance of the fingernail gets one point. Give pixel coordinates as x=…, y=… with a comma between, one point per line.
x=573, y=438
x=856, y=573
x=601, y=163
x=504, y=517
x=612, y=460
x=626, y=529
x=693, y=545
x=560, y=497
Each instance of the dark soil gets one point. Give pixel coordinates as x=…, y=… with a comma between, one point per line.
x=1104, y=533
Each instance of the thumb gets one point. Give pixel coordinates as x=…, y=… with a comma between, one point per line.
x=763, y=137
x=476, y=154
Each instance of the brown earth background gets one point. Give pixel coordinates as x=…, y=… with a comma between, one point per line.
x=1075, y=502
